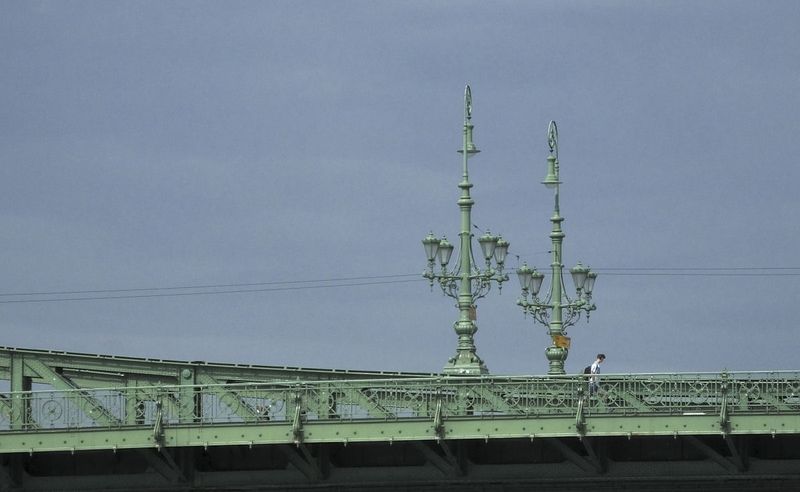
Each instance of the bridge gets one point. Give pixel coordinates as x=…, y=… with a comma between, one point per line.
x=71, y=421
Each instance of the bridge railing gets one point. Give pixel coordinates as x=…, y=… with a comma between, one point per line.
x=395, y=399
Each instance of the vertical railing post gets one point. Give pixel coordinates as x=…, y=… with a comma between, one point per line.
x=20, y=388
x=189, y=408
x=134, y=408
x=724, y=419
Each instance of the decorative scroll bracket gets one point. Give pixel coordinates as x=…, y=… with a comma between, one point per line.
x=724, y=417
x=297, y=423
x=438, y=422
x=158, y=427
x=580, y=418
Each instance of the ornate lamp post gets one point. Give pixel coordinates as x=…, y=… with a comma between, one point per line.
x=556, y=311
x=466, y=281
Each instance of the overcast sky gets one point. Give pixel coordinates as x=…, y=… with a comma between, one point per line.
x=157, y=145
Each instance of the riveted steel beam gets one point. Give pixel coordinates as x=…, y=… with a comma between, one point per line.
x=333, y=431
x=167, y=371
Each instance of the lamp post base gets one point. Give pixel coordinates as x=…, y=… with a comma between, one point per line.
x=556, y=357
x=465, y=364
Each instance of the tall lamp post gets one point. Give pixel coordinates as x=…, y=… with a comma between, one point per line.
x=557, y=311
x=466, y=281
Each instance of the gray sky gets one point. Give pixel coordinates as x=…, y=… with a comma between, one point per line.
x=167, y=144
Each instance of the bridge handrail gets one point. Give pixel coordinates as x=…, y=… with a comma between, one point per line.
x=771, y=392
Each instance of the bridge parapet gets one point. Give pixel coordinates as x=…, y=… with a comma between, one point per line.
x=378, y=409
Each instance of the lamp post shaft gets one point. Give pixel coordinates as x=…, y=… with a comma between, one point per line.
x=556, y=355
x=466, y=360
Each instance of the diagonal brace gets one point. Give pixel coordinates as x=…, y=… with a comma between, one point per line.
x=447, y=464
x=306, y=463
x=712, y=454
x=91, y=407
x=577, y=459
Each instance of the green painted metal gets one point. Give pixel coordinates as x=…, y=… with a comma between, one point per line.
x=442, y=408
x=203, y=428
x=557, y=310
x=466, y=282
x=103, y=371
x=84, y=401
x=19, y=383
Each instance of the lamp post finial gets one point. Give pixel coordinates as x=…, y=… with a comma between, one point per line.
x=552, y=137
x=468, y=103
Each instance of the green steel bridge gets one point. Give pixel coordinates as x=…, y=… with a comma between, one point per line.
x=71, y=421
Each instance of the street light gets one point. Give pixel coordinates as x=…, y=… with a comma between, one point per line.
x=466, y=281
x=557, y=311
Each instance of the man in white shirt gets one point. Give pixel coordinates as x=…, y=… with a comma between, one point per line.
x=594, y=379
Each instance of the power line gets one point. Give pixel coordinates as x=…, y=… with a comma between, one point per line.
x=690, y=274
x=213, y=292
x=357, y=281
x=699, y=274
x=701, y=268
x=704, y=272
x=208, y=286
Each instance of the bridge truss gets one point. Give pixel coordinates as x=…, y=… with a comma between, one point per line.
x=82, y=421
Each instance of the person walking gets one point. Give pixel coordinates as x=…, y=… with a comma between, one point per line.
x=594, y=374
